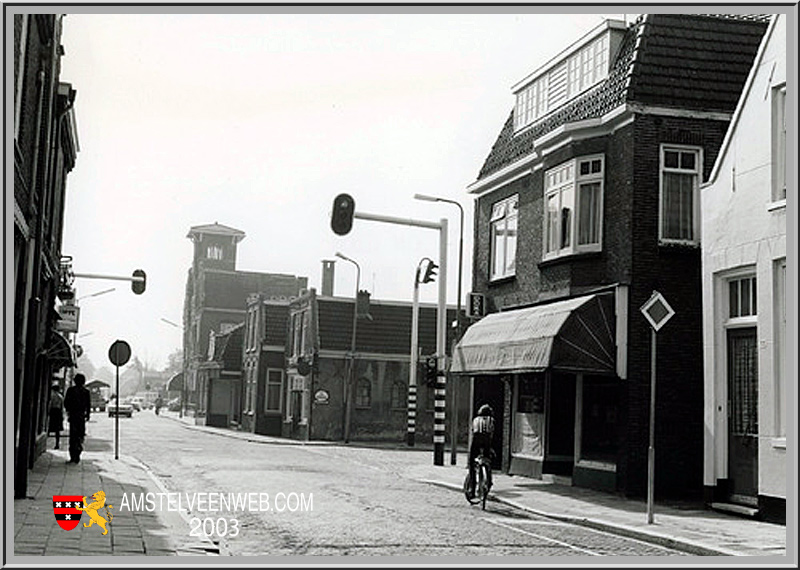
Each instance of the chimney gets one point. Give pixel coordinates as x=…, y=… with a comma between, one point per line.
x=327, y=277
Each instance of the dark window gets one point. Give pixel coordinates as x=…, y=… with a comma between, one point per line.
x=599, y=418
x=363, y=393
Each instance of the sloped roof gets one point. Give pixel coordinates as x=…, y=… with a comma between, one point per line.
x=228, y=348
x=696, y=62
x=216, y=229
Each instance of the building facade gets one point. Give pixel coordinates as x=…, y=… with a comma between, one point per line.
x=744, y=297
x=316, y=378
x=45, y=151
x=216, y=301
x=588, y=203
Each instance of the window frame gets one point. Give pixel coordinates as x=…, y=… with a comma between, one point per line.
x=400, y=389
x=509, y=266
x=358, y=396
x=215, y=251
x=698, y=175
x=280, y=384
x=779, y=143
x=572, y=185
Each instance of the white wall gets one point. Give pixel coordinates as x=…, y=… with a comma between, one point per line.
x=743, y=228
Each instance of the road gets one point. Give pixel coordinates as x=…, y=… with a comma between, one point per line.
x=325, y=500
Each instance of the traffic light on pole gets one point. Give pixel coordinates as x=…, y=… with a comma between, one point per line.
x=139, y=282
x=431, y=371
x=430, y=272
x=342, y=216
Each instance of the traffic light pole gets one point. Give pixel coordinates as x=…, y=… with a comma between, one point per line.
x=441, y=319
x=412, y=370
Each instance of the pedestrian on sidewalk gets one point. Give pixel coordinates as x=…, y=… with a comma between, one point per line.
x=56, y=414
x=78, y=403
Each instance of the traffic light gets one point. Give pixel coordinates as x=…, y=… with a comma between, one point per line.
x=430, y=272
x=342, y=215
x=139, y=281
x=431, y=371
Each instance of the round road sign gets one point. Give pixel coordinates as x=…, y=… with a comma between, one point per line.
x=119, y=353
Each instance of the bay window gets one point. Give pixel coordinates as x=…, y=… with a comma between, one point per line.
x=574, y=207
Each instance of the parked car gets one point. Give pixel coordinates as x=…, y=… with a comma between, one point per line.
x=125, y=409
x=135, y=403
x=174, y=405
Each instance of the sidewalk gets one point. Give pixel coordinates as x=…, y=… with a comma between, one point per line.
x=690, y=528
x=130, y=533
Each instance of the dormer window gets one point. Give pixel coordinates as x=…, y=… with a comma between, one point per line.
x=569, y=76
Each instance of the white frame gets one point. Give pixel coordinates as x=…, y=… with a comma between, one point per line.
x=574, y=184
x=779, y=143
x=280, y=392
x=698, y=173
x=509, y=268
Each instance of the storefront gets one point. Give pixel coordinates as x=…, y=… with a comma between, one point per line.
x=549, y=371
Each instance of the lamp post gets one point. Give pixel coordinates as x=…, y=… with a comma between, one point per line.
x=351, y=376
x=183, y=373
x=453, y=387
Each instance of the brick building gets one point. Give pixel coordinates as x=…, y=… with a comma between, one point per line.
x=588, y=203
x=744, y=297
x=45, y=151
x=216, y=302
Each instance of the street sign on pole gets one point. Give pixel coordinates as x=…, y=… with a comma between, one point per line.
x=657, y=312
x=118, y=354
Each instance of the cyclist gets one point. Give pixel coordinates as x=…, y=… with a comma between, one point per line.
x=482, y=434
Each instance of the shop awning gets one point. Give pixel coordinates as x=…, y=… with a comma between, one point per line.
x=175, y=383
x=60, y=352
x=572, y=335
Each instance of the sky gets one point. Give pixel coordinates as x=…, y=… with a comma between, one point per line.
x=257, y=121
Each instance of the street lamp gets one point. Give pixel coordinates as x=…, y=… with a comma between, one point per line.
x=453, y=391
x=183, y=372
x=351, y=379
x=97, y=294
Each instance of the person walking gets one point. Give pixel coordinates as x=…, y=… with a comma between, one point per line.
x=78, y=403
x=56, y=414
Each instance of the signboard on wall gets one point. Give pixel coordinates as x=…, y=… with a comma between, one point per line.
x=69, y=316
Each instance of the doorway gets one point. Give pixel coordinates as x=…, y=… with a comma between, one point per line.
x=743, y=416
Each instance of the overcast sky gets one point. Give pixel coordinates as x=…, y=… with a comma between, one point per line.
x=257, y=121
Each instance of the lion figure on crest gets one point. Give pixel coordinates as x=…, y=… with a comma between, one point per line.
x=91, y=509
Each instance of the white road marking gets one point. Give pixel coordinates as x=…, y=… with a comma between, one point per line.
x=543, y=537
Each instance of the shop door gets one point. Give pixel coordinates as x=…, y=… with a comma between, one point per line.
x=743, y=416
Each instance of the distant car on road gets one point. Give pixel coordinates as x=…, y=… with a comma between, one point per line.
x=125, y=409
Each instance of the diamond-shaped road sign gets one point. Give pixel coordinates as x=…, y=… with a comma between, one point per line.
x=657, y=311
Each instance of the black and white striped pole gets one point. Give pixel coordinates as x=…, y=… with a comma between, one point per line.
x=342, y=217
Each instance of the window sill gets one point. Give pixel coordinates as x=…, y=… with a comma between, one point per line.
x=678, y=245
x=776, y=205
x=501, y=280
x=569, y=258
x=598, y=465
x=779, y=443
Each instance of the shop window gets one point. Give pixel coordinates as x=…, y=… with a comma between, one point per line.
x=528, y=429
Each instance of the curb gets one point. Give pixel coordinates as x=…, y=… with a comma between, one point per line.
x=683, y=545
x=203, y=545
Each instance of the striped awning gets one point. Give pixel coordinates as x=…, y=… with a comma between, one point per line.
x=572, y=335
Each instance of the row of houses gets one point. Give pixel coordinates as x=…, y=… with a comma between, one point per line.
x=45, y=151
x=646, y=158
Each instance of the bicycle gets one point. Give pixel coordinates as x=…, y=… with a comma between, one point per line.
x=483, y=470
